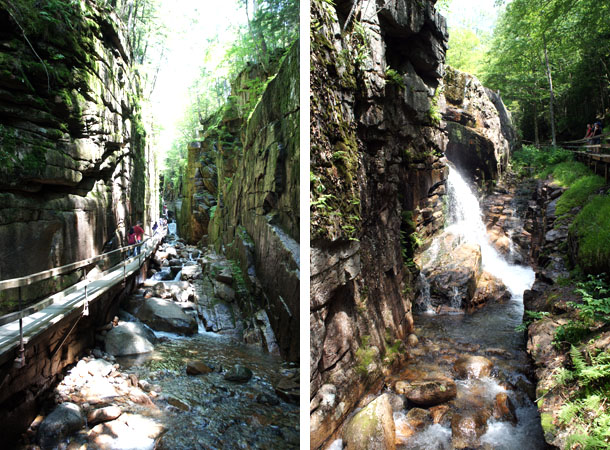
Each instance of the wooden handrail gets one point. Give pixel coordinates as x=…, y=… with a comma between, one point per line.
x=30, y=279
x=27, y=280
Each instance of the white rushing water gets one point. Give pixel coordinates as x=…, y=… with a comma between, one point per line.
x=466, y=221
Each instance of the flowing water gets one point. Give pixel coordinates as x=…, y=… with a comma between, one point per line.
x=489, y=332
x=209, y=411
x=163, y=407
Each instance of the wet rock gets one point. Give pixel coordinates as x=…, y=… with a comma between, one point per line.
x=288, y=387
x=224, y=292
x=65, y=419
x=192, y=272
x=163, y=315
x=140, y=397
x=239, y=374
x=418, y=418
x=266, y=399
x=504, y=410
x=129, y=338
x=467, y=428
x=103, y=415
x=131, y=431
x=398, y=402
x=412, y=340
x=427, y=392
x=489, y=288
x=453, y=271
x=372, y=428
x=99, y=390
x=178, y=403
x=99, y=367
x=439, y=413
x=197, y=368
x=473, y=367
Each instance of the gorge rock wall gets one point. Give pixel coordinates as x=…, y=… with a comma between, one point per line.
x=257, y=222
x=377, y=175
x=481, y=135
x=75, y=167
x=240, y=196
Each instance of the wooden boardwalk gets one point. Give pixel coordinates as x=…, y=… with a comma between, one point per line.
x=59, y=306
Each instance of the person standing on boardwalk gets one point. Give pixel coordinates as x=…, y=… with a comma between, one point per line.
x=597, y=130
x=139, y=232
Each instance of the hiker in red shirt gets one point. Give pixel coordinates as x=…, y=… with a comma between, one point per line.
x=131, y=239
x=139, y=232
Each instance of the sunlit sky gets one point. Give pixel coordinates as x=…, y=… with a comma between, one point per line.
x=190, y=23
x=480, y=14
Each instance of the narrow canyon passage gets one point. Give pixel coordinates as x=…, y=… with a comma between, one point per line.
x=118, y=120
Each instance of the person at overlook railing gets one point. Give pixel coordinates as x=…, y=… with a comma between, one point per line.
x=597, y=130
x=589, y=132
x=131, y=239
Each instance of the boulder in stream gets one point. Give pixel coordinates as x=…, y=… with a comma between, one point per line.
x=427, y=392
x=239, y=374
x=504, y=410
x=372, y=428
x=473, y=367
x=197, y=368
x=163, y=315
x=129, y=338
x=467, y=429
x=65, y=419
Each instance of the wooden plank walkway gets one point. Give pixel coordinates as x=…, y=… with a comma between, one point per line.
x=70, y=300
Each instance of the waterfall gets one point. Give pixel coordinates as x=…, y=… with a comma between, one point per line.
x=466, y=221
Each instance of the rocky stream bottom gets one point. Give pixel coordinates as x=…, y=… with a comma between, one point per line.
x=454, y=392
x=175, y=386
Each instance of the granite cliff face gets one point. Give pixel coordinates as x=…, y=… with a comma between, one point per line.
x=480, y=131
x=76, y=169
x=384, y=111
x=376, y=160
x=240, y=196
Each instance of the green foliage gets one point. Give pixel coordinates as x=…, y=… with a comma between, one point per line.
x=467, y=50
x=365, y=355
x=533, y=160
x=594, y=309
x=433, y=113
x=591, y=227
x=575, y=38
x=567, y=173
x=530, y=317
x=579, y=193
x=393, y=77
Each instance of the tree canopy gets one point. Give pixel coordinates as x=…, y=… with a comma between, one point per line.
x=549, y=59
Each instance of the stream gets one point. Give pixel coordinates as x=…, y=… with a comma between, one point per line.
x=203, y=391
x=477, y=355
x=489, y=332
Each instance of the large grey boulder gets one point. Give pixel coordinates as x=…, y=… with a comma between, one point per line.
x=163, y=315
x=67, y=418
x=372, y=428
x=129, y=338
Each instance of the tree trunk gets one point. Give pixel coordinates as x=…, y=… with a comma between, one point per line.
x=536, y=132
x=552, y=96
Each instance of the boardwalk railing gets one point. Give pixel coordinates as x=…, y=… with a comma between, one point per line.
x=589, y=153
x=69, y=299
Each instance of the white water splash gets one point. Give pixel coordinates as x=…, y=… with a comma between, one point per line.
x=466, y=222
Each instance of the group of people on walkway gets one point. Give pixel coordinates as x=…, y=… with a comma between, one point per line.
x=135, y=235
x=593, y=131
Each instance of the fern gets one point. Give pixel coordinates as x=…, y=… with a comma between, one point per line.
x=577, y=360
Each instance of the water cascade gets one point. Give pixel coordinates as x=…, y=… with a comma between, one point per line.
x=466, y=221
x=488, y=332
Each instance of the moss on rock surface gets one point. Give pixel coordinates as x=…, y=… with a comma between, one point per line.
x=70, y=135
